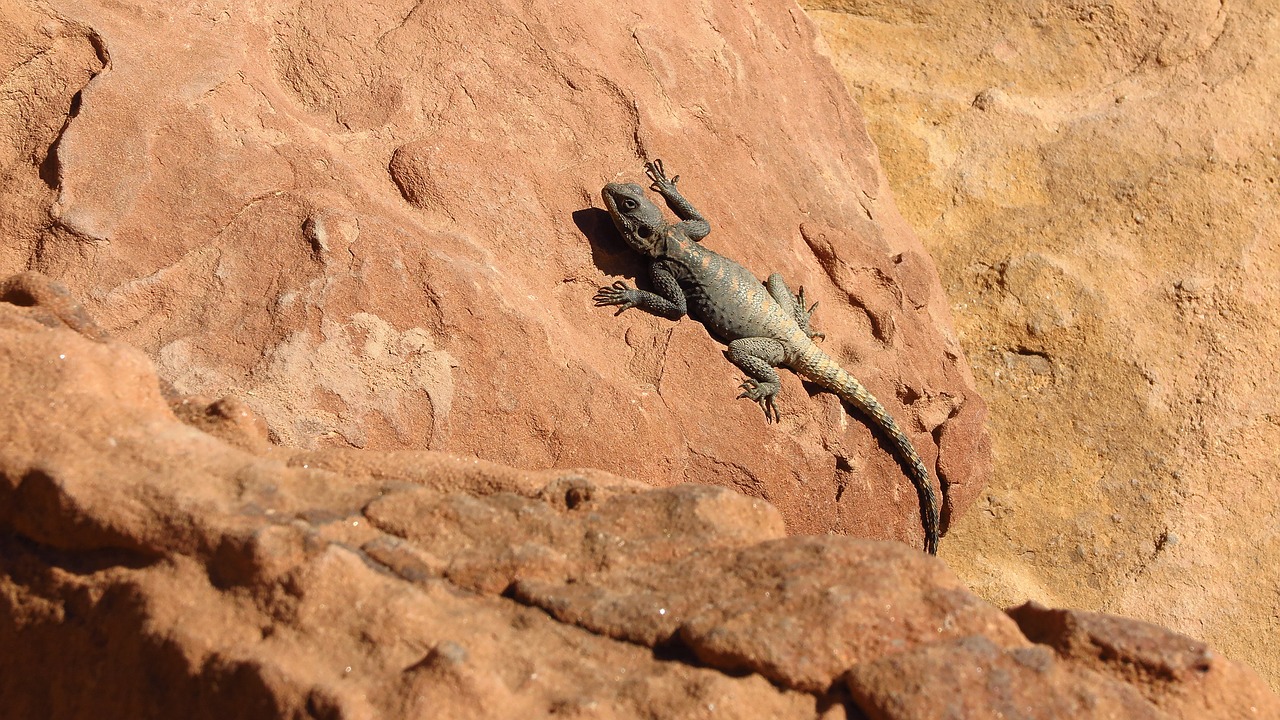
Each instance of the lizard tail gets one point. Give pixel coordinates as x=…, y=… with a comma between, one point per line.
x=818, y=367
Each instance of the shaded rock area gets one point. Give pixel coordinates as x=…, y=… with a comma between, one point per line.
x=156, y=567
x=1098, y=182
x=378, y=226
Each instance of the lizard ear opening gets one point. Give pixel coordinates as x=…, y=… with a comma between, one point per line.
x=644, y=231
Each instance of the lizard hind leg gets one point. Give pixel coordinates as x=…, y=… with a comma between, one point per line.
x=757, y=357
x=792, y=304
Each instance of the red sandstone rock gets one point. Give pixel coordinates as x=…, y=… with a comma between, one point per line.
x=151, y=567
x=798, y=610
x=1181, y=676
x=372, y=223
x=360, y=220
x=972, y=677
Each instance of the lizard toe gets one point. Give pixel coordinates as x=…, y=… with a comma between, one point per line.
x=771, y=414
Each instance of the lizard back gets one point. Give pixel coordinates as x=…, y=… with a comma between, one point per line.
x=727, y=297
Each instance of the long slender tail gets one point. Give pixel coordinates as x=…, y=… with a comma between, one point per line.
x=818, y=367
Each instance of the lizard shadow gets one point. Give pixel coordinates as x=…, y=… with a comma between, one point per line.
x=609, y=252
x=887, y=445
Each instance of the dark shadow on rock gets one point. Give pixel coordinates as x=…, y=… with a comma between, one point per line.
x=887, y=445
x=608, y=252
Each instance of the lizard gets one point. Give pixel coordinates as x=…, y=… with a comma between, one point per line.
x=764, y=325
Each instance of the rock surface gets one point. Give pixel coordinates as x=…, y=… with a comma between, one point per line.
x=149, y=568
x=1098, y=183
x=375, y=225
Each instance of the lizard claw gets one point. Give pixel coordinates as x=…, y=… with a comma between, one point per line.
x=764, y=394
x=658, y=174
x=619, y=293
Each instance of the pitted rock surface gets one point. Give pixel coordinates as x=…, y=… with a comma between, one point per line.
x=1097, y=182
x=377, y=225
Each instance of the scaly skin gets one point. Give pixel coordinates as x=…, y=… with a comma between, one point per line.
x=765, y=325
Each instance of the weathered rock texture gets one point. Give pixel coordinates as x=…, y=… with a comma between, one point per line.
x=373, y=223
x=1099, y=182
x=150, y=568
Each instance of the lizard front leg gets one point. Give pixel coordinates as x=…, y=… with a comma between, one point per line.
x=668, y=301
x=757, y=357
x=691, y=222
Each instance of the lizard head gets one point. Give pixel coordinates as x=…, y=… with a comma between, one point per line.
x=638, y=220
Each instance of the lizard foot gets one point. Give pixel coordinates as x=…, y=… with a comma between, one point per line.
x=619, y=293
x=763, y=393
x=803, y=316
x=658, y=175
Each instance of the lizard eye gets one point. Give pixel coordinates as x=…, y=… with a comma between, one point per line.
x=628, y=204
